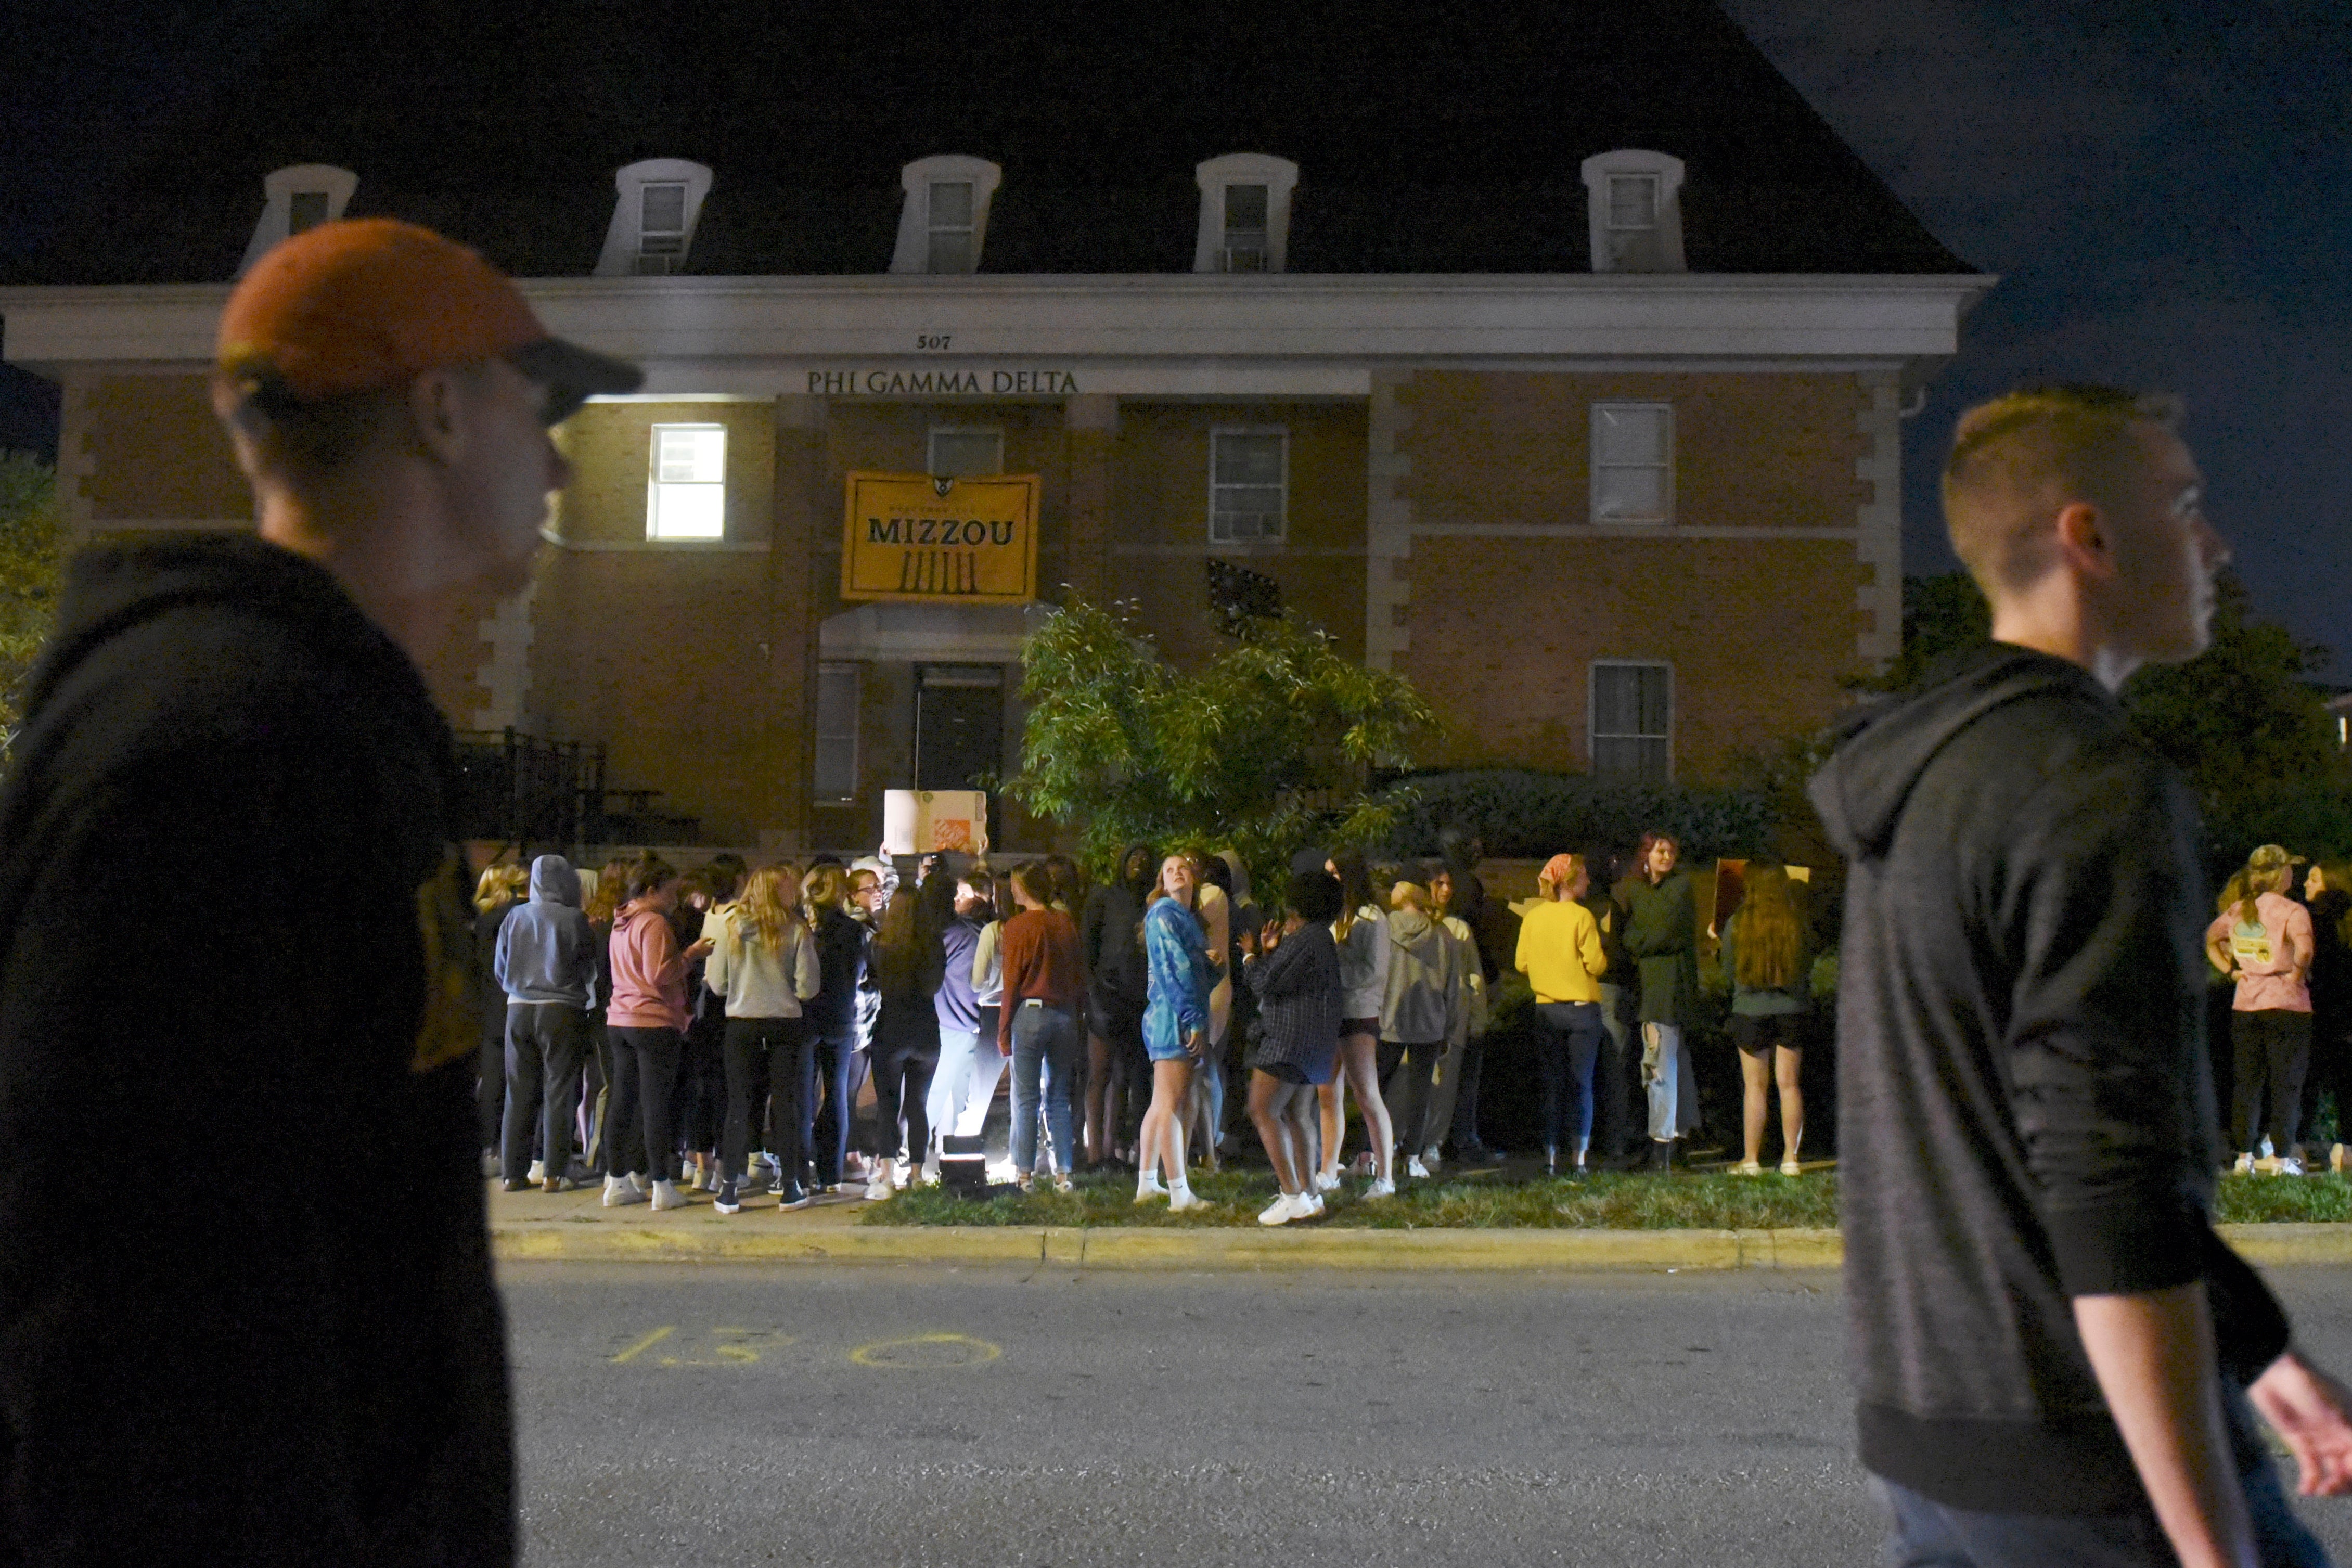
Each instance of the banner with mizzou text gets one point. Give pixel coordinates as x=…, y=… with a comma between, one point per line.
x=914, y=536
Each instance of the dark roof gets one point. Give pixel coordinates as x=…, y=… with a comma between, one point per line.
x=1436, y=136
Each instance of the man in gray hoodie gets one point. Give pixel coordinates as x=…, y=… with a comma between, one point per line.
x=2052, y=1350
x=546, y=962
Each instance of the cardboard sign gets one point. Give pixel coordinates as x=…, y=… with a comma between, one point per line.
x=935, y=821
x=914, y=537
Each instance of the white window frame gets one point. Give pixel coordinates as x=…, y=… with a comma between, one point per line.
x=278, y=188
x=1666, y=480
x=854, y=673
x=931, y=447
x=1593, y=735
x=912, y=254
x=1280, y=178
x=1655, y=247
x=624, y=254
x=654, y=485
x=1282, y=519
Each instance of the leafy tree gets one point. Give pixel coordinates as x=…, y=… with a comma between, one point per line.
x=1273, y=744
x=32, y=548
x=2243, y=721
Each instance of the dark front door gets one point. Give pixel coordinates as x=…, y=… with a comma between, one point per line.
x=959, y=726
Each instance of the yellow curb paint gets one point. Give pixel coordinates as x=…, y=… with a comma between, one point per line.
x=2286, y=1246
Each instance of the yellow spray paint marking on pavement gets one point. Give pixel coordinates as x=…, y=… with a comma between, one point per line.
x=927, y=1353
x=645, y=1344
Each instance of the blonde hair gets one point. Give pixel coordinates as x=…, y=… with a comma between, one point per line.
x=1770, y=933
x=1404, y=895
x=500, y=885
x=604, y=897
x=770, y=903
x=824, y=888
x=2020, y=458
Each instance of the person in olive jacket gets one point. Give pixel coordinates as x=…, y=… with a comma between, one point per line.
x=1662, y=937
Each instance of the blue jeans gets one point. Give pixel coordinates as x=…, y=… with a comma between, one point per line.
x=1569, y=1039
x=1674, y=1092
x=1927, y=1534
x=832, y=1056
x=943, y=1107
x=1042, y=1037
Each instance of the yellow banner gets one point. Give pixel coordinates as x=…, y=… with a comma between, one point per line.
x=910, y=536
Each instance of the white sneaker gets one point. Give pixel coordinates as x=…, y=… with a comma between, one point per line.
x=619, y=1191
x=1148, y=1189
x=1183, y=1199
x=706, y=1177
x=1326, y=1181
x=668, y=1196
x=1792, y=1168
x=1285, y=1207
x=2290, y=1166
x=1382, y=1187
x=644, y=1187
x=1062, y=1182
x=1310, y=1204
x=1747, y=1168
x=538, y=1172
x=2245, y=1165
x=1415, y=1169
x=880, y=1185
x=1429, y=1156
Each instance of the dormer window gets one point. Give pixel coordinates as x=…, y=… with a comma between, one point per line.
x=1245, y=249
x=943, y=224
x=1636, y=200
x=296, y=200
x=657, y=205
x=1244, y=213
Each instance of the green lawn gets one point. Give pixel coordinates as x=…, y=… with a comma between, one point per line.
x=1698, y=1202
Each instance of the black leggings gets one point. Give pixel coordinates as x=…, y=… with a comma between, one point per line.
x=902, y=1082
x=2267, y=1049
x=764, y=1053
x=640, y=1134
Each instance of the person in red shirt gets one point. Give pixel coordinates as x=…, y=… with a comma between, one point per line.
x=1044, y=977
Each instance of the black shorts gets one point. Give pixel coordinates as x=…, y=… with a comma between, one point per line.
x=1120, y=1024
x=1287, y=1072
x=1756, y=1033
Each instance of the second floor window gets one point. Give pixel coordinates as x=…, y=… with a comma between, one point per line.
x=661, y=226
x=687, y=496
x=1246, y=209
x=1632, y=462
x=1249, y=484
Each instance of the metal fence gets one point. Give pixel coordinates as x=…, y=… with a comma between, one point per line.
x=521, y=790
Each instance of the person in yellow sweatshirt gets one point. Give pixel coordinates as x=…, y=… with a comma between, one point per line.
x=1560, y=954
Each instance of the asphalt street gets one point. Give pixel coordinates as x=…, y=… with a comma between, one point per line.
x=713, y=1413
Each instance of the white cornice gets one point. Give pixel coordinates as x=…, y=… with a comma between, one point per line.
x=1073, y=320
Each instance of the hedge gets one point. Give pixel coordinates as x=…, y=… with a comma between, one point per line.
x=1522, y=814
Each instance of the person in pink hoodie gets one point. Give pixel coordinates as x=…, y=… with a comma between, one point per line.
x=2262, y=939
x=645, y=1021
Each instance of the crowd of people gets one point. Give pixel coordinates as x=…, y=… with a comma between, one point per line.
x=716, y=1029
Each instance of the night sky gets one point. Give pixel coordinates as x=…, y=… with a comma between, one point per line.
x=2165, y=192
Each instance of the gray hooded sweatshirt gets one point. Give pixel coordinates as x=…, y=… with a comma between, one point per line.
x=547, y=950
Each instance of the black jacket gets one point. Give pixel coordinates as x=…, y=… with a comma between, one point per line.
x=2025, y=1107
x=1111, y=933
x=841, y=943
x=231, y=918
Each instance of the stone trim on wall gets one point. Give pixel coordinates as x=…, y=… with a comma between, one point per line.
x=1879, y=519
x=75, y=461
x=1388, y=525
x=505, y=677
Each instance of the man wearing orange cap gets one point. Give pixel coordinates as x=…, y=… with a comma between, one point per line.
x=232, y=935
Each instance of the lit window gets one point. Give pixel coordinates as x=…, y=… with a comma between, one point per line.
x=1249, y=481
x=1246, y=228
x=1632, y=462
x=1632, y=721
x=949, y=216
x=687, y=497
x=960, y=453
x=837, y=696
x=305, y=210
x=1632, y=201
x=661, y=227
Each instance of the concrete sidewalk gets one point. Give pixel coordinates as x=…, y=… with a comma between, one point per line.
x=576, y=1227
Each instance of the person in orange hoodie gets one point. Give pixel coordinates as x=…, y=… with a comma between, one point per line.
x=646, y=1022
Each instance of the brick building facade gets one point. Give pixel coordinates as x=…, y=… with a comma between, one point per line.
x=1582, y=411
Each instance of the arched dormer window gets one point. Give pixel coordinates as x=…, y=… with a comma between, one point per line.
x=1244, y=213
x=1635, y=203
x=657, y=203
x=944, y=222
x=297, y=199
